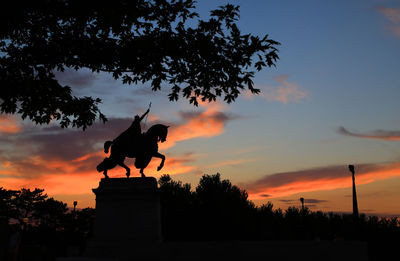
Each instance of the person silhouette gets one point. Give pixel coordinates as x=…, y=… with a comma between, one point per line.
x=131, y=135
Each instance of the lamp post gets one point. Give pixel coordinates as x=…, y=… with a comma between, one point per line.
x=302, y=204
x=75, y=203
x=355, y=205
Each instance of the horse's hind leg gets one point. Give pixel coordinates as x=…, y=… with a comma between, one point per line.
x=104, y=166
x=128, y=170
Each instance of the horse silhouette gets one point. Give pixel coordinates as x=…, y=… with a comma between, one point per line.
x=144, y=148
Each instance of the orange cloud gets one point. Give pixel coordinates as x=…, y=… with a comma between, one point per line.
x=393, y=15
x=203, y=124
x=87, y=156
x=285, y=92
x=173, y=166
x=9, y=124
x=230, y=162
x=328, y=178
x=67, y=183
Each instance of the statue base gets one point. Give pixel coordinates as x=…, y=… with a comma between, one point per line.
x=127, y=215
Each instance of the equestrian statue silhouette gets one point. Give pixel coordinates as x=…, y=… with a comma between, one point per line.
x=132, y=143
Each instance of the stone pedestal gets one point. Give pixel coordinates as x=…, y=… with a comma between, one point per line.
x=127, y=217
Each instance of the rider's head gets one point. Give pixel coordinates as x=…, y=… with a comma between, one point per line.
x=137, y=118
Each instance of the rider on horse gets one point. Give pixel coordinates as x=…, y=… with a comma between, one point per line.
x=143, y=153
x=129, y=137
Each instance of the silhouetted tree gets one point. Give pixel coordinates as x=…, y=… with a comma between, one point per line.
x=50, y=212
x=84, y=221
x=136, y=41
x=78, y=227
x=224, y=208
x=31, y=208
x=7, y=209
x=25, y=203
x=266, y=223
x=177, y=206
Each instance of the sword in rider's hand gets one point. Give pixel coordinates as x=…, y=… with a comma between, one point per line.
x=145, y=121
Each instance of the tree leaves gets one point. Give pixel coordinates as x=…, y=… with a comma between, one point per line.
x=136, y=41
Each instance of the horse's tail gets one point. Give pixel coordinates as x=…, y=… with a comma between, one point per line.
x=107, y=145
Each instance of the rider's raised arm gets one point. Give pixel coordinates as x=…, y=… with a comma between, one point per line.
x=144, y=115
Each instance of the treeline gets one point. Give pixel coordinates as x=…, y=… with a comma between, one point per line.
x=34, y=226
x=218, y=210
x=214, y=210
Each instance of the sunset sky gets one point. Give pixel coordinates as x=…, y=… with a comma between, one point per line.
x=332, y=100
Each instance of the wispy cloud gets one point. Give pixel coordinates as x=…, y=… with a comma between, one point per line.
x=231, y=162
x=9, y=124
x=393, y=15
x=83, y=78
x=314, y=200
x=309, y=202
x=377, y=134
x=284, y=92
x=174, y=164
x=315, y=179
x=207, y=123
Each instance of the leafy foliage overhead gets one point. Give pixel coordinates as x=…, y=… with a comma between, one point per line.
x=138, y=41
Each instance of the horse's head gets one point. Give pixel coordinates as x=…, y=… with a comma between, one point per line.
x=160, y=131
x=163, y=136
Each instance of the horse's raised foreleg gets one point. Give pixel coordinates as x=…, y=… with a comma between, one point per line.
x=128, y=170
x=105, y=174
x=142, y=173
x=162, y=157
